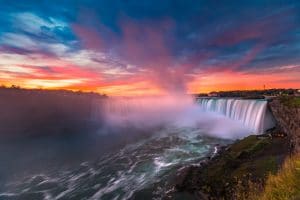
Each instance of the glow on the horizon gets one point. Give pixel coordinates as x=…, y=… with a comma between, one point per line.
x=227, y=81
x=220, y=81
x=40, y=71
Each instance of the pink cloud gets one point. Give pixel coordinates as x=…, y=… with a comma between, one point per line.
x=89, y=37
x=145, y=46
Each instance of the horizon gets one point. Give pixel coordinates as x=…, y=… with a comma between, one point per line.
x=17, y=87
x=150, y=47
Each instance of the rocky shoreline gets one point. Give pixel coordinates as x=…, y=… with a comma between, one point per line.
x=233, y=170
x=238, y=166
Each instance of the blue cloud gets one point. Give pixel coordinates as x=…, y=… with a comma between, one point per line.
x=222, y=32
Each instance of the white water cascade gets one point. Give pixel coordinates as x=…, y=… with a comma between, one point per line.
x=254, y=114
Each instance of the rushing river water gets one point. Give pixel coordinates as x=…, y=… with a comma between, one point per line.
x=118, y=162
x=141, y=169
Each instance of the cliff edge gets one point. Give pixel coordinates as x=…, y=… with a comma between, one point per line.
x=243, y=168
x=286, y=111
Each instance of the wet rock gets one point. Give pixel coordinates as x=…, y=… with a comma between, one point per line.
x=180, y=177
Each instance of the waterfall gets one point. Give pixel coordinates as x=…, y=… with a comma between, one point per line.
x=150, y=112
x=142, y=111
x=254, y=114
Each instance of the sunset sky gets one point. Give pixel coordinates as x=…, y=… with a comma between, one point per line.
x=137, y=47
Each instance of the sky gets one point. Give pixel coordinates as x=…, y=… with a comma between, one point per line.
x=148, y=47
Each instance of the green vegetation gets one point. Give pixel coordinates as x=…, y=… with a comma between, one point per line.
x=250, y=157
x=244, y=166
x=290, y=101
x=253, y=94
x=285, y=185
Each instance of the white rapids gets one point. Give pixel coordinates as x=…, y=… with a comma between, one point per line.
x=254, y=114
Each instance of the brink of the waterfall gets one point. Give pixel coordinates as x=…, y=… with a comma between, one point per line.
x=253, y=113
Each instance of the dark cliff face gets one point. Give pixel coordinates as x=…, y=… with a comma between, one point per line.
x=35, y=113
x=41, y=130
x=288, y=119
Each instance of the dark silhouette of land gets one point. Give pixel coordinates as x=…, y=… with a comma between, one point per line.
x=253, y=94
x=41, y=112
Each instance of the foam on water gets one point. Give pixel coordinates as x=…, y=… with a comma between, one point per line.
x=135, y=169
x=179, y=133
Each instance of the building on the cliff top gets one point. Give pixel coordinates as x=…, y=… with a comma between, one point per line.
x=213, y=94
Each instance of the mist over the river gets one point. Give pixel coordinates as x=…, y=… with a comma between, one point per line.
x=40, y=125
x=169, y=110
x=111, y=144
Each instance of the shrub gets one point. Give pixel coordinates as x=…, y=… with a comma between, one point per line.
x=285, y=185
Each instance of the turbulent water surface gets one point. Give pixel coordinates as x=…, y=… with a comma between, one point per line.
x=141, y=169
x=134, y=156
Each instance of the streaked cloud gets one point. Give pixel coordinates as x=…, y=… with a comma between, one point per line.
x=154, y=46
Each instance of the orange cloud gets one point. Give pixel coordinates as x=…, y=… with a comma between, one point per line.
x=40, y=71
x=230, y=80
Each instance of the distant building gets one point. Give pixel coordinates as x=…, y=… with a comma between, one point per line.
x=213, y=94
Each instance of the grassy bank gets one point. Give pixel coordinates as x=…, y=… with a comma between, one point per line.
x=290, y=101
x=285, y=185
